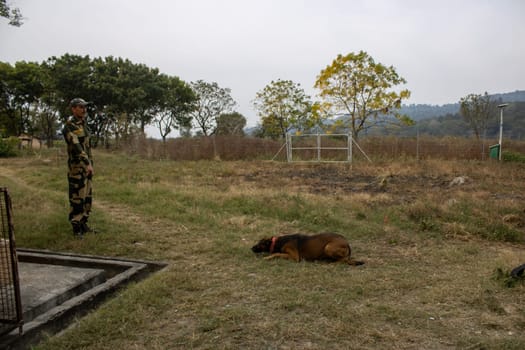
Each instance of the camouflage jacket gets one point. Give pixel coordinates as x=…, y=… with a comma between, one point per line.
x=76, y=134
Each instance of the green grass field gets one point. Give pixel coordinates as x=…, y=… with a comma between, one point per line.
x=437, y=252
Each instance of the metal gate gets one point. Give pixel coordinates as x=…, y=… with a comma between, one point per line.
x=316, y=147
x=10, y=299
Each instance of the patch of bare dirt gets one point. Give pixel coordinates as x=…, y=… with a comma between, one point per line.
x=333, y=180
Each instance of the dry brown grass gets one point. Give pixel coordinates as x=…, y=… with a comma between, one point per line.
x=433, y=250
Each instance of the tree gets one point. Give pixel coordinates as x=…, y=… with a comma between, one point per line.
x=213, y=101
x=8, y=116
x=361, y=89
x=28, y=88
x=20, y=89
x=140, y=93
x=283, y=105
x=70, y=77
x=125, y=96
x=476, y=110
x=12, y=14
x=231, y=124
x=178, y=102
x=46, y=121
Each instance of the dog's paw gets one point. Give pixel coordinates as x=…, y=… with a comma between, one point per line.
x=518, y=271
x=354, y=262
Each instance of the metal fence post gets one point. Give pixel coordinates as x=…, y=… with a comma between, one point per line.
x=349, y=140
x=288, y=148
x=318, y=147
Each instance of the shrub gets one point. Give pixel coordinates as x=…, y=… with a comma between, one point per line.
x=513, y=157
x=9, y=146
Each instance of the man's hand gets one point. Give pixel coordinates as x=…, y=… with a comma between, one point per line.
x=90, y=171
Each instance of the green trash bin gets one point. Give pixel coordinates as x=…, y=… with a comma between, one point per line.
x=494, y=151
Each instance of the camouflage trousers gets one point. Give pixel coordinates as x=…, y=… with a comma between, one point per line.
x=79, y=193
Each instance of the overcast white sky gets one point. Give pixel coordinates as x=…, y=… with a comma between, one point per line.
x=445, y=49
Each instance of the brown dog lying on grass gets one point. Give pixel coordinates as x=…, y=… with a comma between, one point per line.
x=324, y=246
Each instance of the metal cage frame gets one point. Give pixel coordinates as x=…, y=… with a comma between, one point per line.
x=11, y=314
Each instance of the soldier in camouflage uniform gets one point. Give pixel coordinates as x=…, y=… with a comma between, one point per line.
x=80, y=164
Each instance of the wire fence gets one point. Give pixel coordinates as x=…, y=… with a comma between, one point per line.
x=375, y=147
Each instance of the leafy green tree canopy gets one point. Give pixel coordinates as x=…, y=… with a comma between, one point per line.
x=69, y=77
x=356, y=86
x=231, y=124
x=283, y=105
x=125, y=96
x=20, y=87
x=177, y=102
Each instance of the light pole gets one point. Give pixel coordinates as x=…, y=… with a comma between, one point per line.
x=501, y=108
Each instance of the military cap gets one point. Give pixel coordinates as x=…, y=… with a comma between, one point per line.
x=78, y=102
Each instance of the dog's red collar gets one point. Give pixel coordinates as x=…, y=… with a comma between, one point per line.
x=272, y=247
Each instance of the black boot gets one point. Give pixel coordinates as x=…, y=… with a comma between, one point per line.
x=77, y=229
x=86, y=229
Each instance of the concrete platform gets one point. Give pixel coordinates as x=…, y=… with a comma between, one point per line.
x=46, y=286
x=56, y=288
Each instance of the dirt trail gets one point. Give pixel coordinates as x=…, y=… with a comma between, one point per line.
x=124, y=215
x=11, y=176
x=119, y=213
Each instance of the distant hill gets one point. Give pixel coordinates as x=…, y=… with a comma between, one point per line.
x=516, y=96
x=445, y=120
x=424, y=111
